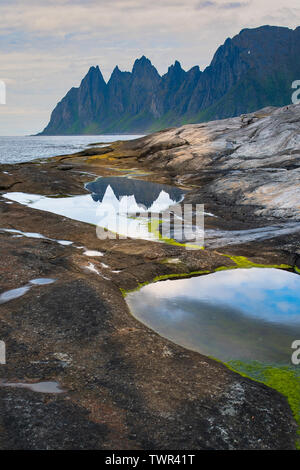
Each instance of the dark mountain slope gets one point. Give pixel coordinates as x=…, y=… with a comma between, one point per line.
x=252, y=70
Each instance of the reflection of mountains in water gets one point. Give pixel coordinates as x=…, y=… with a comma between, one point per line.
x=145, y=192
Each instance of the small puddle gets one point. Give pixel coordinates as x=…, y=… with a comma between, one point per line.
x=43, y=281
x=91, y=267
x=117, y=204
x=13, y=294
x=242, y=314
x=93, y=253
x=40, y=387
x=20, y=291
x=120, y=204
x=19, y=233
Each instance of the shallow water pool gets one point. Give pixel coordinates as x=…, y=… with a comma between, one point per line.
x=118, y=204
x=242, y=314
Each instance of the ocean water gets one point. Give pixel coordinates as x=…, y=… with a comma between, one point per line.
x=27, y=148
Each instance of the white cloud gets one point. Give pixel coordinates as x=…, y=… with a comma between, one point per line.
x=47, y=47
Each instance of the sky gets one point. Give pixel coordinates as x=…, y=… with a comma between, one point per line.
x=46, y=47
x=244, y=289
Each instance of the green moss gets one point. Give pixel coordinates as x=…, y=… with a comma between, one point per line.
x=179, y=276
x=225, y=268
x=284, y=379
x=243, y=262
x=163, y=277
x=123, y=292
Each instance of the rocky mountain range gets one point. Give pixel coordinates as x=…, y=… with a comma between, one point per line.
x=252, y=70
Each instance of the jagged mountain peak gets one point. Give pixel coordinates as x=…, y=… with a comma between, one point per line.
x=176, y=65
x=175, y=68
x=143, y=65
x=94, y=68
x=142, y=61
x=117, y=74
x=94, y=75
x=116, y=70
x=94, y=71
x=194, y=70
x=251, y=70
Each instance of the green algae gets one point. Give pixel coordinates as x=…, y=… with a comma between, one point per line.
x=283, y=378
x=179, y=276
x=163, y=277
x=243, y=263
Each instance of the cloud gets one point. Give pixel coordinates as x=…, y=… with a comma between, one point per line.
x=244, y=289
x=225, y=6
x=205, y=4
x=47, y=47
x=232, y=5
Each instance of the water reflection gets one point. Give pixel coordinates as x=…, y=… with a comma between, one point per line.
x=40, y=387
x=13, y=294
x=245, y=314
x=143, y=193
x=113, y=205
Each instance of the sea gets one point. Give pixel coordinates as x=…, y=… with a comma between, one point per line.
x=28, y=148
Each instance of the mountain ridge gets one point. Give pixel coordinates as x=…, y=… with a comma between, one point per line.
x=252, y=70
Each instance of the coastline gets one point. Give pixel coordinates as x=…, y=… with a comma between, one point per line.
x=125, y=386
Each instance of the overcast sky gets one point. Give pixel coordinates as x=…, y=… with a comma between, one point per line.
x=47, y=46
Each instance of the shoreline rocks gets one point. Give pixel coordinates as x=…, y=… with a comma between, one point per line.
x=125, y=386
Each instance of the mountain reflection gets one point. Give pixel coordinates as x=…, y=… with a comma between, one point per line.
x=145, y=193
x=117, y=204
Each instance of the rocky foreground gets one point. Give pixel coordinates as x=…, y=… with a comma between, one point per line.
x=123, y=386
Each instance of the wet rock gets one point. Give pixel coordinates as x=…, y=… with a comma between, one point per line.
x=126, y=387
x=6, y=180
x=249, y=160
x=65, y=167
